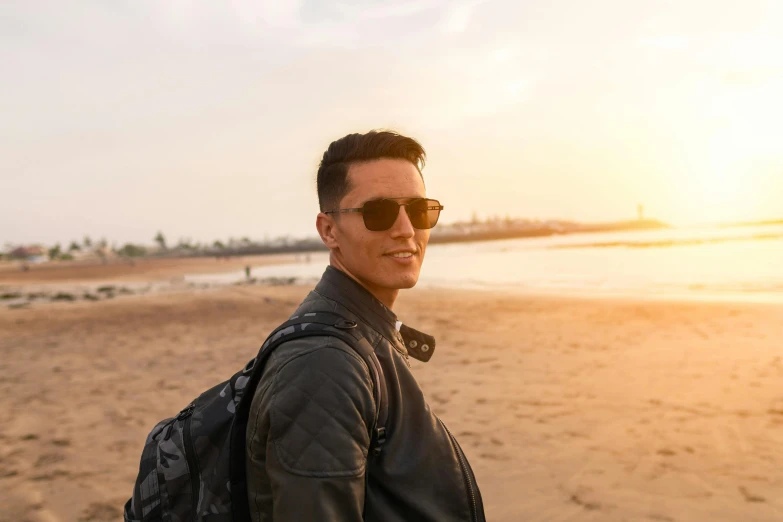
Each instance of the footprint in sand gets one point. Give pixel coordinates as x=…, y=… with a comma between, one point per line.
x=492, y=456
x=48, y=459
x=8, y=473
x=588, y=505
x=121, y=446
x=749, y=497
x=100, y=512
x=440, y=399
x=58, y=473
x=486, y=359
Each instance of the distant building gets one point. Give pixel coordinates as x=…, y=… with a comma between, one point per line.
x=640, y=212
x=32, y=254
x=24, y=252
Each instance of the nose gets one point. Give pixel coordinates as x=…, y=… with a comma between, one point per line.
x=403, y=228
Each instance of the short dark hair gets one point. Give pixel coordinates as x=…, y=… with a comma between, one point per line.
x=332, y=179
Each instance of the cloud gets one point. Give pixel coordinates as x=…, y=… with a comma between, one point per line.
x=391, y=10
x=458, y=19
x=273, y=13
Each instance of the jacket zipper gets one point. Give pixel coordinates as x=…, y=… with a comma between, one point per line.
x=190, y=454
x=463, y=464
x=405, y=356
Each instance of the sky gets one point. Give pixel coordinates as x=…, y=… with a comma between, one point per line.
x=207, y=120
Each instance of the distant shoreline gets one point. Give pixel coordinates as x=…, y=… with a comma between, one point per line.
x=546, y=230
x=770, y=222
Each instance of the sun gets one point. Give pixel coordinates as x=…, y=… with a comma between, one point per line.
x=723, y=177
x=717, y=182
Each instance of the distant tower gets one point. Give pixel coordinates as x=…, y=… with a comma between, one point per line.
x=640, y=211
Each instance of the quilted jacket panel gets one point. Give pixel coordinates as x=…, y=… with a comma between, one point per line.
x=317, y=418
x=304, y=374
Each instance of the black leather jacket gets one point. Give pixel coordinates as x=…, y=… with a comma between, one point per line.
x=309, y=428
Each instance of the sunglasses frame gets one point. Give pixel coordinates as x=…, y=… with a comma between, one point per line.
x=361, y=210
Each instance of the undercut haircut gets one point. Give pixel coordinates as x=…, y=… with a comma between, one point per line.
x=332, y=179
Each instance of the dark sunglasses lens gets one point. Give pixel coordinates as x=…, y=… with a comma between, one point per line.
x=424, y=213
x=380, y=214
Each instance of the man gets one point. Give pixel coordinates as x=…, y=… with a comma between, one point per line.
x=308, y=434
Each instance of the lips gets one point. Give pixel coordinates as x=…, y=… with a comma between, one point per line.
x=401, y=254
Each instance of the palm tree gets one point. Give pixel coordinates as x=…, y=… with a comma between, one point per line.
x=160, y=239
x=54, y=252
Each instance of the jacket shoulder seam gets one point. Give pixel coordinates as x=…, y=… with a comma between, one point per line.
x=333, y=343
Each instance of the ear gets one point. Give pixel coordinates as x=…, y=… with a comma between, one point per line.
x=327, y=229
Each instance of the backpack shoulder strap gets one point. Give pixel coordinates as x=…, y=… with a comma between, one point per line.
x=335, y=325
x=305, y=325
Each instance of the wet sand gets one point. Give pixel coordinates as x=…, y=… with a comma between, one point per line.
x=569, y=409
x=138, y=270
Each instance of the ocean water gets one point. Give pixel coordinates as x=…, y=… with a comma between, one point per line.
x=739, y=263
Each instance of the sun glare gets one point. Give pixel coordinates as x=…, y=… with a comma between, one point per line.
x=720, y=184
x=739, y=129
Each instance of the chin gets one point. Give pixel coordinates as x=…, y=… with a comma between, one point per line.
x=404, y=281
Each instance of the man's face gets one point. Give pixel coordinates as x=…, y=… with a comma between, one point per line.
x=369, y=256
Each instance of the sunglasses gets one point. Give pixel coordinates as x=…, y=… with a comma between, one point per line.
x=381, y=214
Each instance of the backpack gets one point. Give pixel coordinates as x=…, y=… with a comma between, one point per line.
x=193, y=465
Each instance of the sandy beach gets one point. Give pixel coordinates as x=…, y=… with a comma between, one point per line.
x=568, y=408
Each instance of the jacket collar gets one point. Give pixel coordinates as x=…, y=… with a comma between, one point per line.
x=338, y=286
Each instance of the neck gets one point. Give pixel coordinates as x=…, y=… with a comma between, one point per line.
x=386, y=296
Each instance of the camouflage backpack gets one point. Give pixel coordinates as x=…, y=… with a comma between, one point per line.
x=193, y=465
